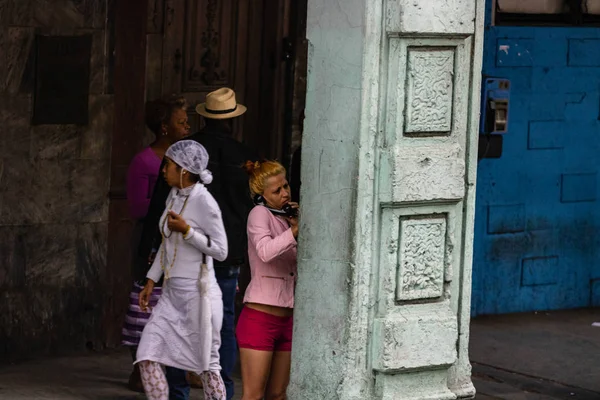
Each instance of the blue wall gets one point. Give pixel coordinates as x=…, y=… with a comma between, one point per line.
x=537, y=221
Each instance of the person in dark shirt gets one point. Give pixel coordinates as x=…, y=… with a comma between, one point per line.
x=230, y=189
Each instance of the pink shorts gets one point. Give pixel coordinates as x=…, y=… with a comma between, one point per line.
x=259, y=330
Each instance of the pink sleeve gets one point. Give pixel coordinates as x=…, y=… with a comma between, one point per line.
x=138, y=179
x=260, y=236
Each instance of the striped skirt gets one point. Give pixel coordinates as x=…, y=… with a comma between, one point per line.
x=136, y=319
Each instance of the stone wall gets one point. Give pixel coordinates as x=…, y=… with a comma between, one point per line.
x=54, y=183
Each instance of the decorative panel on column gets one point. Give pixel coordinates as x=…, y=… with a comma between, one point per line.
x=426, y=118
x=431, y=17
x=421, y=255
x=422, y=187
x=429, y=83
x=417, y=253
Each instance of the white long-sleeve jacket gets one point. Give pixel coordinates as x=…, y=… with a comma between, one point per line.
x=206, y=236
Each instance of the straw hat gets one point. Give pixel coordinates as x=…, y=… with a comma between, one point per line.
x=220, y=104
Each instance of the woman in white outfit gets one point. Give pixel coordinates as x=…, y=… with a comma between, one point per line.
x=184, y=329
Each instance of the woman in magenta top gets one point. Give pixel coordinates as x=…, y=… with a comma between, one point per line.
x=264, y=329
x=167, y=119
x=141, y=177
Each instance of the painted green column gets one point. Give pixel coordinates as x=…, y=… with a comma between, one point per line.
x=388, y=187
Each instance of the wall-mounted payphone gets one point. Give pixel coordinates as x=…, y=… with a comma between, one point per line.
x=495, y=99
x=494, y=110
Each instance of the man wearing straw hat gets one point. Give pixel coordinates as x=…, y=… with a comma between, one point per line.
x=230, y=189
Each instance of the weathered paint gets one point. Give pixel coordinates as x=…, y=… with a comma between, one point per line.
x=384, y=285
x=329, y=170
x=536, y=219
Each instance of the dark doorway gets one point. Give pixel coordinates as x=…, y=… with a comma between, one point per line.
x=256, y=47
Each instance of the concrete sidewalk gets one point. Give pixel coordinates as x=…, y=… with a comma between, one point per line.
x=544, y=355
x=94, y=376
x=522, y=356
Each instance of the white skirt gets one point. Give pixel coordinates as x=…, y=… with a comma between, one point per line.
x=184, y=328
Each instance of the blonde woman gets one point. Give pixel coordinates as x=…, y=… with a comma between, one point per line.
x=184, y=329
x=264, y=329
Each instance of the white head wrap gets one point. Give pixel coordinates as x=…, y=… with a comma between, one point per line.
x=191, y=156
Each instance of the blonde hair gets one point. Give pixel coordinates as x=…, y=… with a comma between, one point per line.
x=259, y=172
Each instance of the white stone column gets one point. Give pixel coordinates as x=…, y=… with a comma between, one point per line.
x=389, y=164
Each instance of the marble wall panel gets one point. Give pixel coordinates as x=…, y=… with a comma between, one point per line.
x=12, y=256
x=50, y=258
x=15, y=44
x=15, y=136
x=96, y=137
x=58, y=15
x=90, y=185
x=55, y=141
x=54, y=182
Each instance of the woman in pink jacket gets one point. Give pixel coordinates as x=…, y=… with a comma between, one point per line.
x=264, y=329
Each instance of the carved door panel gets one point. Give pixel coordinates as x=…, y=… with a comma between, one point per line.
x=209, y=44
x=257, y=48
x=205, y=47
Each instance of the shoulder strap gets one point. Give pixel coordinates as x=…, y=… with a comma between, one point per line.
x=208, y=244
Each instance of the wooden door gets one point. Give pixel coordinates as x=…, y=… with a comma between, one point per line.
x=209, y=44
x=255, y=47
x=203, y=48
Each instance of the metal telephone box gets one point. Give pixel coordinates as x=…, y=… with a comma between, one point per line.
x=495, y=105
x=495, y=101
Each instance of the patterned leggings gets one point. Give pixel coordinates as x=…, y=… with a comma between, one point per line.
x=157, y=388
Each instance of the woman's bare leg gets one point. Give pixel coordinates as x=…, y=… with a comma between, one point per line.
x=256, y=366
x=280, y=376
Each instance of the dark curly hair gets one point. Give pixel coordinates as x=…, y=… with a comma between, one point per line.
x=159, y=111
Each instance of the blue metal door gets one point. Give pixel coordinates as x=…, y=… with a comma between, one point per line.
x=537, y=217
